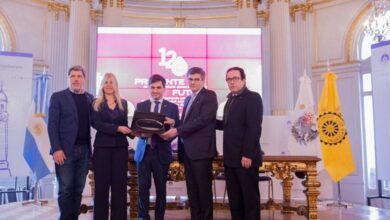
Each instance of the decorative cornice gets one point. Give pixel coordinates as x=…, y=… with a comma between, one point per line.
x=263, y=15
x=304, y=8
x=56, y=8
x=95, y=14
x=179, y=21
x=110, y=3
x=240, y=3
x=269, y=2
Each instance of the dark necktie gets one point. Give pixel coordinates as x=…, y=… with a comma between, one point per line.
x=156, y=105
x=155, y=110
x=227, y=108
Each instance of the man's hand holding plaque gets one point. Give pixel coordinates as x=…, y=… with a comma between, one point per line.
x=145, y=124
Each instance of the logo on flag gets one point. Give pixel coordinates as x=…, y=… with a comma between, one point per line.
x=36, y=142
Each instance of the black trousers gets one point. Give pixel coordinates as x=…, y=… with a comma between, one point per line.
x=151, y=165
x=198, y=175
x=243, y=192
x=110, y=171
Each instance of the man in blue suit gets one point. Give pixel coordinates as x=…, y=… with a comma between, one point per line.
x=197, y=144
x=158, y=152
x=70, y=140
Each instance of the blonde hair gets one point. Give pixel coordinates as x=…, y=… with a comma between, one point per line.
x=102, y=96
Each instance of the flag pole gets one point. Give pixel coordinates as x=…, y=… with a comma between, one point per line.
x=338, y=203
x=36, y=200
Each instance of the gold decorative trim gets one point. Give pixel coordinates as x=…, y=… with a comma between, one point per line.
x=57, y=8
x=119, y=3
x=304, y=8
x=263, y=15
x=8, y=33
x=180, y=21
x=269, y=2
x=352, y=30
x=95, y=14
x=239, y=3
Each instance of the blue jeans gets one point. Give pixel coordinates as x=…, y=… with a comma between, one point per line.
x=71, y=180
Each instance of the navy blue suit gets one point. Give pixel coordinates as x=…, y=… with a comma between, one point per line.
x=197, y=148
x=63, y=121
x=156, y=161
x=110, y=157
x=63, y=129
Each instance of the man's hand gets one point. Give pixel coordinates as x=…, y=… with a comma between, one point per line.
x=246, y=162
x=124, y=130
x=171, y=133
x=59, y=157
x=169, y=121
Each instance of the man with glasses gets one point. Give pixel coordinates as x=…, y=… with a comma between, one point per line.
x=242, y=118
x=197, y=144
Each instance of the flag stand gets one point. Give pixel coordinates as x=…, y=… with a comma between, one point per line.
x=338, y=203
x=36, y=201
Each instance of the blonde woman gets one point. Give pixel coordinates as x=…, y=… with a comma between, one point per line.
x=109, y=118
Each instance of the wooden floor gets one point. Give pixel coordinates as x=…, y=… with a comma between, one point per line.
x=16, y=211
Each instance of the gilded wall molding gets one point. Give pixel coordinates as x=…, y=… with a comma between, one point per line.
x=95, y=14
x=240, y=3
x=263, y=15
x=353, y=31
x=110, y=3
x=8, y=33
x=304, y=8
x=56, y=8
x=269, y=2
x=179, y=22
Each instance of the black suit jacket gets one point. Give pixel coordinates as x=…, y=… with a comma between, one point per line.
x=171, y=110
x=242, y=129
x=106, y=126
x=197, y=137
x=64, y=121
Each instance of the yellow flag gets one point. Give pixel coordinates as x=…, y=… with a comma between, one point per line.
x=336, y=149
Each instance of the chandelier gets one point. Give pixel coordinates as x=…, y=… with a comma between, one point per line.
x=378, y=24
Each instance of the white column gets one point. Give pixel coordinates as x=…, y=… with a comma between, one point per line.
x=57, y=45
x=112, y=13
x=247, y=13
x=265, y=56
x=79, y=35
x=281, y=61
x=300, y=35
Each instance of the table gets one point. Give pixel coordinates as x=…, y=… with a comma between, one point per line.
x=280, y=167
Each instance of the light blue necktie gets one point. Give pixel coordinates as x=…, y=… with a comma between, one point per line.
x=193, y=96
x=139, y=152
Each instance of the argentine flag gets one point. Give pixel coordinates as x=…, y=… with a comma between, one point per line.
x=36, y=143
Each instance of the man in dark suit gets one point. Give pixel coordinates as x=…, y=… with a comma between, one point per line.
x=197, y=144
x=241, y=125
x=158, y=152
x=70, y=140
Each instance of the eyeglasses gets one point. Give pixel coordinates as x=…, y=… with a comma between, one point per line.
x=194, y=79
x=233, y=79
